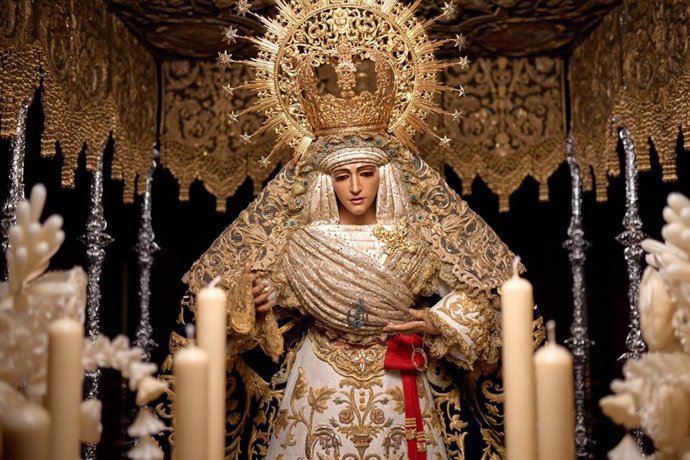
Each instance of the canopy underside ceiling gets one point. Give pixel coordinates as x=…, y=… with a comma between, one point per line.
x=175, y=29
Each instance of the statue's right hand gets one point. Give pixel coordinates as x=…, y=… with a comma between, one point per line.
x=263, y=292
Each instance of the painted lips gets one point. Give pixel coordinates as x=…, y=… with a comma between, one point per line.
x=357, y=200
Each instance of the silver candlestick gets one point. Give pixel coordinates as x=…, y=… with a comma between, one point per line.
x=145, y=248
x=631, y=237
x=16, y=183
x=96, y=240
x=579, y=341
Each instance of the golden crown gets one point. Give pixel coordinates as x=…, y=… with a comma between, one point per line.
x=354, y=107
x=307, y=35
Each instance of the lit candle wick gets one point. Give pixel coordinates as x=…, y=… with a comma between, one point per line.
x=551, y=331
x=516, y=265
x=189, y=331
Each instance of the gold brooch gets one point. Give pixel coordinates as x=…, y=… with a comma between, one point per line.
x=395, y=239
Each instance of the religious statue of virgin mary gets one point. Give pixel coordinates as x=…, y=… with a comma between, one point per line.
x=363, y=320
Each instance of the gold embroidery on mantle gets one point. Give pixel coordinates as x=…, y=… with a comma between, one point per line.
x=478, y=313
x=633, y=71
x=240, y=307
x=97, y=80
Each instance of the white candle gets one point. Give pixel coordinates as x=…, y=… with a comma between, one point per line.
x=518, y=370
x=26, y=431
x=211, y=323
x=553, y=366
x=65, y=379
x=190, y=368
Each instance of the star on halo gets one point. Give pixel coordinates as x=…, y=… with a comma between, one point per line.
x=457, y=115
x=460, y=90
x=224, y=58
x=448, y=10
x=460, y=41
x=230, y=35
x=264, y=162
x=246, y=138
x=444, y=141
x=242, y=7
x=464, y=63
x=228, y=90
x=232, y=117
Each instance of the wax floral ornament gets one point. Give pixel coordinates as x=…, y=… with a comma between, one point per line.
x=655, y=392
x=30, y=300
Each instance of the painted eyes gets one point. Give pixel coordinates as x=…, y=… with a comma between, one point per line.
x=342, y=177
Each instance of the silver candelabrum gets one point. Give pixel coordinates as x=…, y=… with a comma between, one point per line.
x=579, y=341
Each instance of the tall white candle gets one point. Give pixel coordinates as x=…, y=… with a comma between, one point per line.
x=65, y=379
x=553, y=366
x=190, y=368
x=518, y=370
x=211, y=323
x=26, y=431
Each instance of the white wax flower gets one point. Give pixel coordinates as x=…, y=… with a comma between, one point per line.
x=91, y=428
x=10, y=399
x=656, y=313
x=146, y=449
x=626, y=450
x=120, y=343
x=137, y=371
x=666, y=417
x=124, y=359
x=658, y=248
x=150, y=388
x=675, y=269
x=621, y=409
x=37, y=386
x=30, y=300
x=24, y=320
x=146, y=423
x=674, y=233
x=60, y=294
x=681, y=326
x=97, y=353
x=32, y=243
x=655, y=396
x=684, y=298
x=21, y=347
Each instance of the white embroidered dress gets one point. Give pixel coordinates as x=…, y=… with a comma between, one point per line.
x=340, y=403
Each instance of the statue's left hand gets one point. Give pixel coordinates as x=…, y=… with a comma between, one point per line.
x=420, y=324
x=264, y=294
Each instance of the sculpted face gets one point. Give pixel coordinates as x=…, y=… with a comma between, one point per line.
x=355, y=185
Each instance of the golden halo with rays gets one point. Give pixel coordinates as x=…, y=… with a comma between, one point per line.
x=305, y=27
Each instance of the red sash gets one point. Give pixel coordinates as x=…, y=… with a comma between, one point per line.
x=399, y=356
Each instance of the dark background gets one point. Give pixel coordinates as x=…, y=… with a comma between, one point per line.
x=533, y=230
